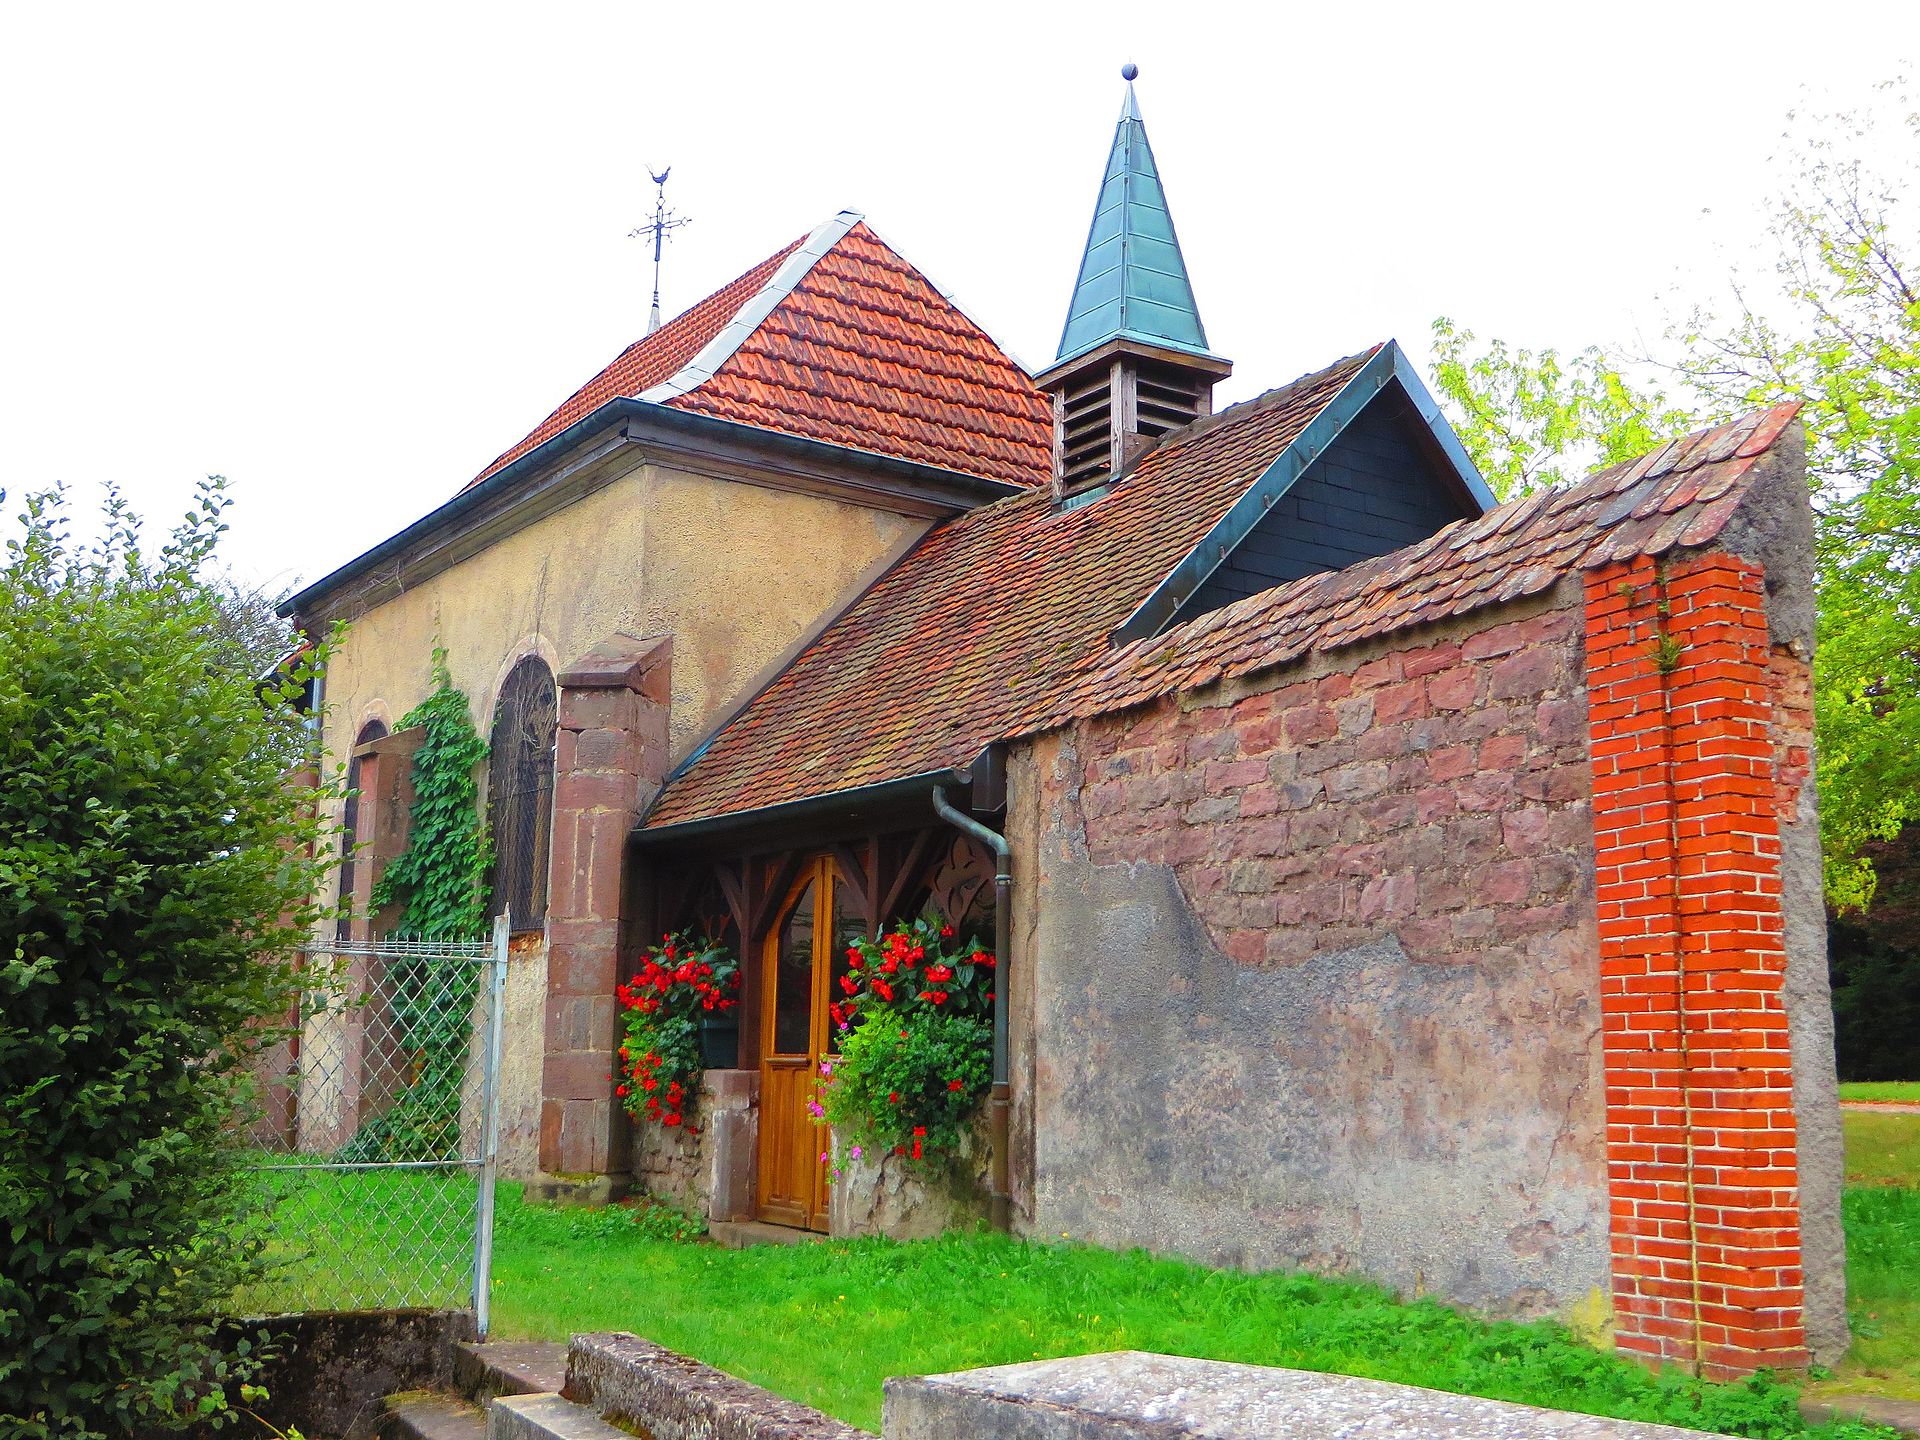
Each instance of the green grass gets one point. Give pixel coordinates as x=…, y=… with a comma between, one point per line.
x=1883, y=1257
x=1907, y=1090
x=825, y=1324
x=344, y=1239
x=1883, y=1148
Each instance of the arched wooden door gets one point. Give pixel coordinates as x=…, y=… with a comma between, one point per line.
x=804, y=958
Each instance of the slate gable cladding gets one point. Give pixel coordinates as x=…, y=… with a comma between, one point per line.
x=1373, y=492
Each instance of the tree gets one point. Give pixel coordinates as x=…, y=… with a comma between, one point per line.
x=156, y=872
x=249, y=624
x=1844, y=339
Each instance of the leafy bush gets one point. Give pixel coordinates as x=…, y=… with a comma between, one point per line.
x=680, y=981
x=917, y=1057
x=156, y=872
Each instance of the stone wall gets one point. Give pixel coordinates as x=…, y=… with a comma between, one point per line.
x=1312, y=971
x=1484, y=960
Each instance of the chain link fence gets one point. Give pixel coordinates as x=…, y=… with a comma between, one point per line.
x=379, y=1142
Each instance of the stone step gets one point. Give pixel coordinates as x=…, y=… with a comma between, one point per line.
x=1901, y=1415
x=424, y=1415
x=739, y=1234
x=547, y=1417
x=509, y=1367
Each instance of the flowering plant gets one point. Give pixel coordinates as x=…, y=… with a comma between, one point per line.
x=915, y=1021
x=680, y=980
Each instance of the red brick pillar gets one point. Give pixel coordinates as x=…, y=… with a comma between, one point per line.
x=610, y=757
x=1700, y=1122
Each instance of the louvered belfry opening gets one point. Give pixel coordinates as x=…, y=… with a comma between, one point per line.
x=1112, y=406
x=1085, y=420
x=520, y=791
x=1170, y=397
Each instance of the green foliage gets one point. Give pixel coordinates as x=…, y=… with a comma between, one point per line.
x=440, y=880
x=155, y=879
x=1847, y=345
x=1532, y=420
x=680, y=982
x=917, y=1054
x=441, y=877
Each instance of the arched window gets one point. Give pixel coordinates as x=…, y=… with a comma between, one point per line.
x=520, y=792
x=350, y=835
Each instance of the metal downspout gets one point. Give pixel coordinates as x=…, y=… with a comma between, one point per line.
x=999, y=1191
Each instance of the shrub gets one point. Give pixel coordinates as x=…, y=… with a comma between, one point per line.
x=156, y=872
x=680, y=981
x=916, y=1059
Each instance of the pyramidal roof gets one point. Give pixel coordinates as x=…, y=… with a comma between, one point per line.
x=837, y=338
x=1133, y=280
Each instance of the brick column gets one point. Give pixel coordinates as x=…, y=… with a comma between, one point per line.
x=610, y=757
x=1700, y=1122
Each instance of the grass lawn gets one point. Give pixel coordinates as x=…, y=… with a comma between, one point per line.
x=827, y=1323
x=1883, y=1257
x=1907, y=1090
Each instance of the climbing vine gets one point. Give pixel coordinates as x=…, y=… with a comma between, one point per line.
x=440, y=881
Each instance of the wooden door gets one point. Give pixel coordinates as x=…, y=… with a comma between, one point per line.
x=804, y=958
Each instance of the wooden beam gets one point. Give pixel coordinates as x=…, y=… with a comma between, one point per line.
x=903, y=876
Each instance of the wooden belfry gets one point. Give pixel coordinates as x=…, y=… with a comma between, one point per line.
x=1133, y=361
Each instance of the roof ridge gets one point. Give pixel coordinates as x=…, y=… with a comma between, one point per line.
x=754, y=310
x=1253, y=405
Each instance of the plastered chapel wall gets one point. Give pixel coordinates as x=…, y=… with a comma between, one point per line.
x=736, y=573
x=1311, y=971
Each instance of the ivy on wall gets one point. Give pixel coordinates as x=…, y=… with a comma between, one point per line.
x=441, y=877
x=440, y=881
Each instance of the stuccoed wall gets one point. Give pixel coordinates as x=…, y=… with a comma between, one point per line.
x=1310, y=972
x=736, y=573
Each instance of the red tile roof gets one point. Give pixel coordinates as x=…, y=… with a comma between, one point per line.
x=1680, y=496
x=862, y=351
x=648, y=362
x=978, y=629
x=997, y=624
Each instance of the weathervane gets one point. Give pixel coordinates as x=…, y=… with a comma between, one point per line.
x=663, y=221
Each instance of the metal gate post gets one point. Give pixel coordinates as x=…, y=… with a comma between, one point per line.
x=490, y=1128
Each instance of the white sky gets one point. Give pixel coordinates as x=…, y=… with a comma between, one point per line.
x=346, y=254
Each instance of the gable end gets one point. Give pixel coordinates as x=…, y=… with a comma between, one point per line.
x=1376, y=489
x=1385, y=377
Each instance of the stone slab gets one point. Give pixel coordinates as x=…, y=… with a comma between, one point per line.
x=588, y=1191
x=1130, y=1395
x=742, y=1234
x=509, y=1367
x=422, y=1416
x=664, y=1396
x=546, y=1417
x=1901, y=1415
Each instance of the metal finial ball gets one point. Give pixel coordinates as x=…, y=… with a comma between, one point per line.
x=1129, y=72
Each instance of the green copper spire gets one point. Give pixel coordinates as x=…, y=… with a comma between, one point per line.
x=1133, y=282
